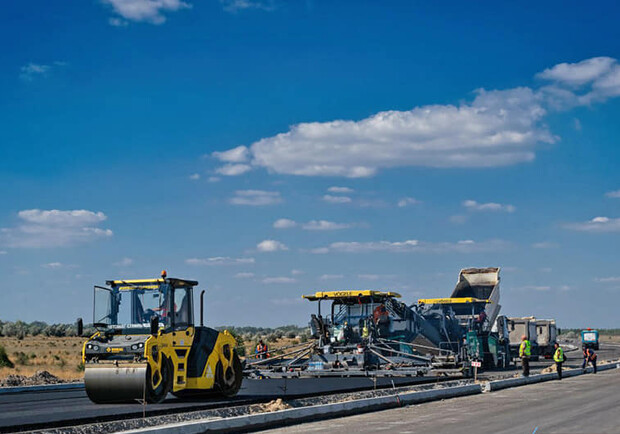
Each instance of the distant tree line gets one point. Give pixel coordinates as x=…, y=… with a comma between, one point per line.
x=21, y=329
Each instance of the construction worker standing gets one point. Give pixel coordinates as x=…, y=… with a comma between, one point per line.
x=262, y=350
x=525, y=351
x=558, y=358
x=589, y=356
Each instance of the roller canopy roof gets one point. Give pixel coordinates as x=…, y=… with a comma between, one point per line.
x=333, y=295
x=150, y=283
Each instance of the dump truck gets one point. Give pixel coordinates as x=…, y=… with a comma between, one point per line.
x=147, y=345
x=589, y=339
x=546, y=331
x=522, y=326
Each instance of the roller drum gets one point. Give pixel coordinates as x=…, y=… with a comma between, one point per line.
x=116, y=383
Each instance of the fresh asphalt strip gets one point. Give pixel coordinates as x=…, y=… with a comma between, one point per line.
x=313, y=413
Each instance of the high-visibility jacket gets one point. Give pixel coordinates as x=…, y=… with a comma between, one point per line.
x=589, y=354
x=525, y=350
x=365, y=332
x=559, y=355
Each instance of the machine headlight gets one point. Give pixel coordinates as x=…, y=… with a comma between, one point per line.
x=89, y=346
x=96, y=347
x=134, y=347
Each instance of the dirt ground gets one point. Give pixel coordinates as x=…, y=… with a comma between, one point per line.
x=59, y=356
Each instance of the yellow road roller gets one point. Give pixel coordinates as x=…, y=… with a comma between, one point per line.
x=147, y=345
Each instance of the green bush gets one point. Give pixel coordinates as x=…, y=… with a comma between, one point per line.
x=5, y=362
x=22, y=358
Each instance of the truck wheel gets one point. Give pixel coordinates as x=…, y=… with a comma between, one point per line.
x=229, y=381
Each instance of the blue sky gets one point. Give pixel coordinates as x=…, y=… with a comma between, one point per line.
x=273, y=148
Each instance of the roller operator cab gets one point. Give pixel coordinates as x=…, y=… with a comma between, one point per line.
x=147, y=345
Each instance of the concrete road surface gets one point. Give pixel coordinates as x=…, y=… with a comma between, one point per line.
x=584, y=404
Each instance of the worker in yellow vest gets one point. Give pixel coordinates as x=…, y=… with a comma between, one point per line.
x=525, y=351
x=558, y=358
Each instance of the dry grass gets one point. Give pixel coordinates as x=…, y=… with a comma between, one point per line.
x=59, y=356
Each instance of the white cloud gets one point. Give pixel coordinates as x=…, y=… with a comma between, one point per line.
x=496, y=128
x=53, y=265
x=282, y=279
x=3, y=252
x=54, y=228
x=296, y=272
x=458, y=219
x=582, y=83
x=240, y=154
x=336, y=199
x=372, y=277
x=320, y=250
x=612, y=279
x=244, y=275
x=324, y=225
x=213, y=179
x=233, y=169
x=340, y=190
x=150, y=11
x=194, y=176
x=239, y=5
x=597, y=224
x=490, y=206
x=613, y=194
x=270, y=246
x=256, y=197
x=463, y=246
x=544, y=245
x=32, y=70
x=284, y=224
x=219, y=260
x=406, y=201
x=331, y=276
x=577, y=74
x=125, y=262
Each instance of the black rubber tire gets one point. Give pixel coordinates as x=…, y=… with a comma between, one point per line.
x=157, y=395
x=229, y=382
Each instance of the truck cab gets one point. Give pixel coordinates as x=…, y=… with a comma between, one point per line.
x=589, y=339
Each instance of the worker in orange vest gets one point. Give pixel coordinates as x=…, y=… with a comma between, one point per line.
x=262, y=350
x=589, y=356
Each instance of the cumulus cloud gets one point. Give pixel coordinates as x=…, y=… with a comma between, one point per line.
x=611, y=279
x=240, y=154
x=219, y=260
x=324, y=225
x=496, y=128
x=544, y=245
x=53, y=265
x=331, y=276
x=233, y=169
x=256, y=197
x=244, y=275
x=472, y=205
x=54, y=228
x=30, y=71
x=597, y=224
x=463, y=246
x=337, y=199
x=149, y=11
x=271, y=246
x=194, y=176
x=240, y=5
x=407, y=201
x=340, y=190
x=280, y=279
x=125, y=262
x=284, y=224
x=582, y=83
x=613, y=194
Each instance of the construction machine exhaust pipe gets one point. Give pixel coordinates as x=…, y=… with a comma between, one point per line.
x=202, y=308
